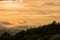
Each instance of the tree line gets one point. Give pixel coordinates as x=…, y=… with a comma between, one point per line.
x=45, y=32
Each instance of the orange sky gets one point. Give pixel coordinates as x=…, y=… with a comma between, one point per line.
x=29, y=12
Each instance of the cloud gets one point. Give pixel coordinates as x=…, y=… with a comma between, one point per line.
x=52, y=4
x=36, y=12
x=7, y=0
x=6, y=23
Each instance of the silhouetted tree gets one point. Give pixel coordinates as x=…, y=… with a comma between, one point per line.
x=41, y=33
x=45, y=32
x=6, y=36
x=20, y=35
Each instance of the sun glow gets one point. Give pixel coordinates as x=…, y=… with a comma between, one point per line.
x=11, y=4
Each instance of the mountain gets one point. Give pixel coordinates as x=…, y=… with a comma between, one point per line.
x=4, y=27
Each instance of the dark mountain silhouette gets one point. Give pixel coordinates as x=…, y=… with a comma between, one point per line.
x=41, y=33
x=6, y=36
x=45, y=32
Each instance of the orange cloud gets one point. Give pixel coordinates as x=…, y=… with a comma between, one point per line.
x=29, y=12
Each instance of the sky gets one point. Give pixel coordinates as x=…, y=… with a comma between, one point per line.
x=29, y=12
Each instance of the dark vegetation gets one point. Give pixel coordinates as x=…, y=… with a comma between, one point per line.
x=45, y=32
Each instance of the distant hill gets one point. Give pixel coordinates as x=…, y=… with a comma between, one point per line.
x=4, y=27
x=45, y=32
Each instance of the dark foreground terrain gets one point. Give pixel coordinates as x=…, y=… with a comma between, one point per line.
x=45, y=32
